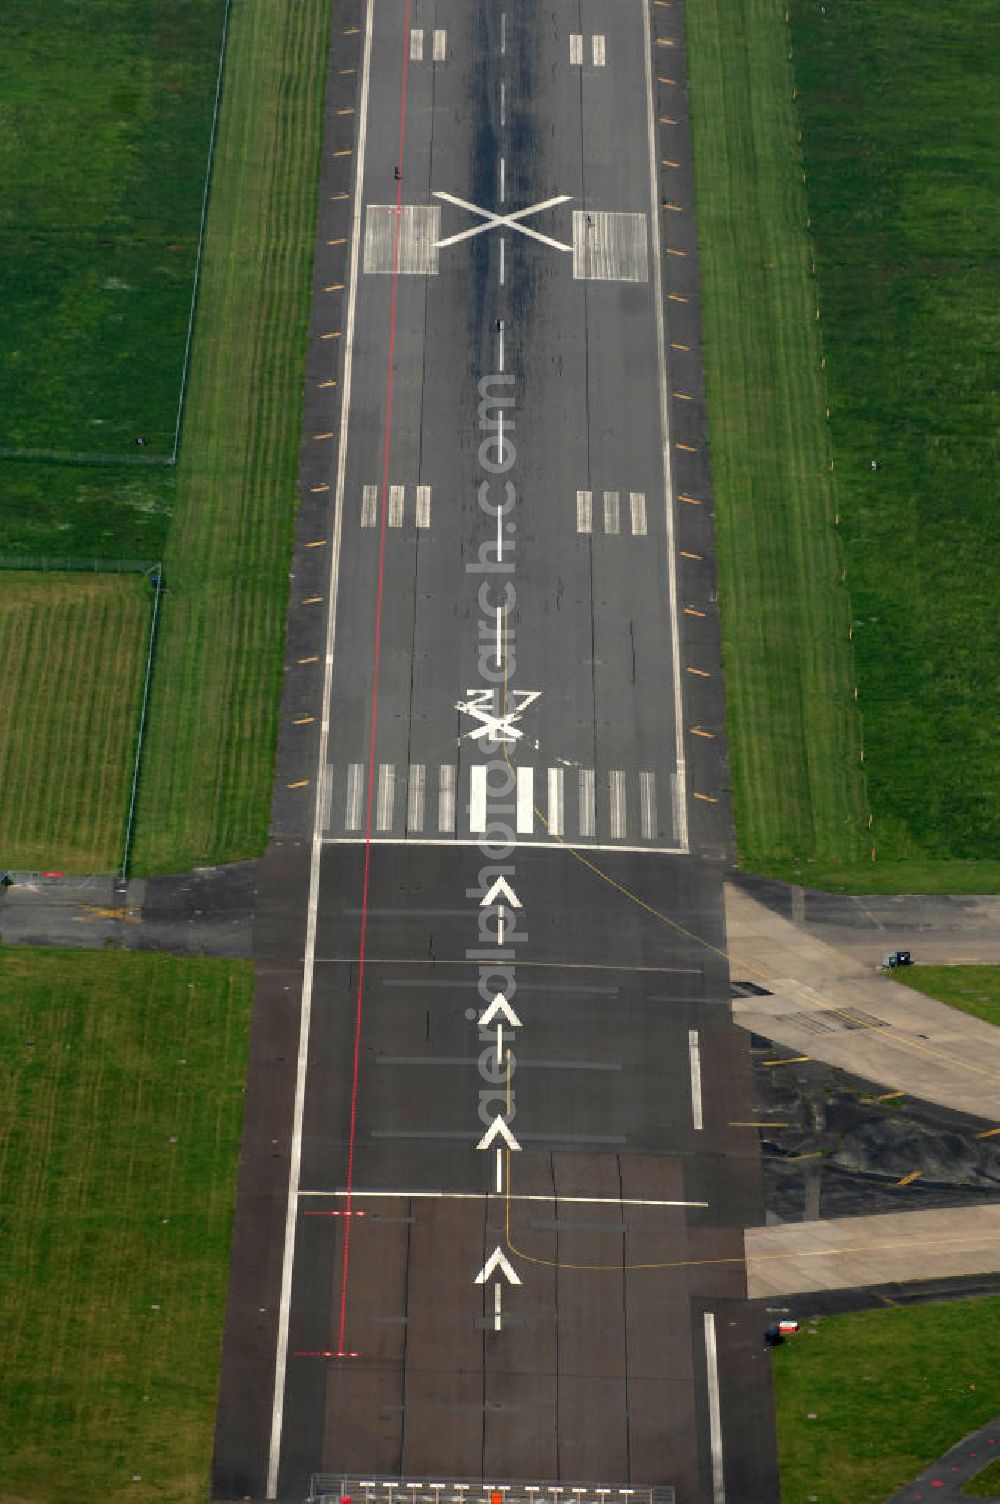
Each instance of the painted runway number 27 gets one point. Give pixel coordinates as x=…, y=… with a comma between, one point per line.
x=496, y=725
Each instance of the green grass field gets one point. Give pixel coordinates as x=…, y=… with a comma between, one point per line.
x=891, y=194
x=223, y=520
x=890, y=1391
x=985, y=1484
x=120, y=1112
x=898, y=113
x=73, y=649
x=104, y=132
x=974, y=989
x=206, y=788
x=793, y=728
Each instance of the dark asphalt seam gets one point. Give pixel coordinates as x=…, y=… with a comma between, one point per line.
x=557, y=1366
x=628, y=1419
x=406, y=1335
x=590, y=466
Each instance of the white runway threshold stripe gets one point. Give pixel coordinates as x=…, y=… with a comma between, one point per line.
x=477, y=800
x=386, y=796
x=415, y=797
x=355, y=794
x=446, y=798
x=525, y=801
x=404, y=803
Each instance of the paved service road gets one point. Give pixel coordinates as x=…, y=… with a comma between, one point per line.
x=500, y=1236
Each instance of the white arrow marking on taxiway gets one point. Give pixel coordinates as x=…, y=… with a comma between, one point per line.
x=501, y=883
x=496, y=1260
x=498, y=1127
x=500, y=1005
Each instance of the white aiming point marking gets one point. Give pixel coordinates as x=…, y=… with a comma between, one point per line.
x=610, y=247
x=419, y=231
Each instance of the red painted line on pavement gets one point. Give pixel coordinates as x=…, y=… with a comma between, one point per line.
x=341, y=1352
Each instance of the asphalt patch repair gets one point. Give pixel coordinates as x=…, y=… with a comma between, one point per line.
x=835, y=1145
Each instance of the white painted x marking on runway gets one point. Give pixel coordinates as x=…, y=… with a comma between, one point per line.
x=512, y=221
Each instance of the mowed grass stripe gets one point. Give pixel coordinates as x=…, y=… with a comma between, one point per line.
x=73, y=649
x=205, y=793
x=793, y=732
x=119, y=1136
x=903, y=182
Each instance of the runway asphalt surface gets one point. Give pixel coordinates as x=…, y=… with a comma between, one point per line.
x=496, y=1169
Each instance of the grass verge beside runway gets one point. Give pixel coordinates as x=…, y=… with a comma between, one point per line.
x=985, y=1484
x=73, y=650
x=869, y=199
x=120, y=1121
x=889, y=1391
x=903, y=183
x=974, y=989
x=794, y=736
x=206, y=786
